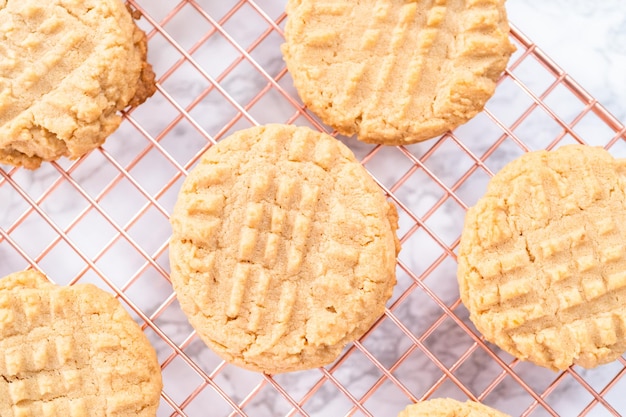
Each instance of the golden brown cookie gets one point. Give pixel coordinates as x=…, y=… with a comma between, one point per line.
x=447, y=407
x=283, y=248
x=72, y=351
x=395, y=71
x=67, y=68
x=542, y=265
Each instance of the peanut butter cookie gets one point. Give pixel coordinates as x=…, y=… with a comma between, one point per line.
x=396, y=71
x=542, y=261
x=283, y=248
x=72, y=351
x=67, y=68
x=447, y=407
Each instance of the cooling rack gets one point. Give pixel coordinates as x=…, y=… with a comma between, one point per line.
x=103, y=219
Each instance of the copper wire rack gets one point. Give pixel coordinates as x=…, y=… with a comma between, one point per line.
x=103, y=219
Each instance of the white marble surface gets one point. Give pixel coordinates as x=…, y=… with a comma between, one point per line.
x=586, y=38
x=106, y=221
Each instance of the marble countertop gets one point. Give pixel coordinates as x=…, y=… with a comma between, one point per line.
x=587, y=39
x=104, y=219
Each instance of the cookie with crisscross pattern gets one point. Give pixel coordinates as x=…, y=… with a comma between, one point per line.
x=542, y=261
x=395, y=71
x=67, y=68
x=72, y=351
x=283, y=248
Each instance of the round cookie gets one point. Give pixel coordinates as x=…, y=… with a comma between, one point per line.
x=72, y=351
x=67, y=68
x=542, y=265
x=396, y=72
x=283, y=248
x=447, y=407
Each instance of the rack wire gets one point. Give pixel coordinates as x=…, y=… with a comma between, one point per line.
x=103, y=219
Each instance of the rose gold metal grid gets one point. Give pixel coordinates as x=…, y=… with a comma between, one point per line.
x=103, y=219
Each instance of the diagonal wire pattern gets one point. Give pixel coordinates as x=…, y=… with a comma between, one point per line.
x=145, y=161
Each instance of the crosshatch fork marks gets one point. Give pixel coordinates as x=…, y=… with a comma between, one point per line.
x=71, y=351
x=542, y=258
x=50, y=54
x=377, y=392
x=303, y=231
x=392, y=71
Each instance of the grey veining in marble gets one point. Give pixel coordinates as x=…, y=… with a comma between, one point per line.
x=195, y=101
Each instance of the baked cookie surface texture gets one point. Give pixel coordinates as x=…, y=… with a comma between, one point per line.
x=283, y=248
x=67, y=68
x=395, y=71
x=542, y=260
x=447, y=407
x=72, y=351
